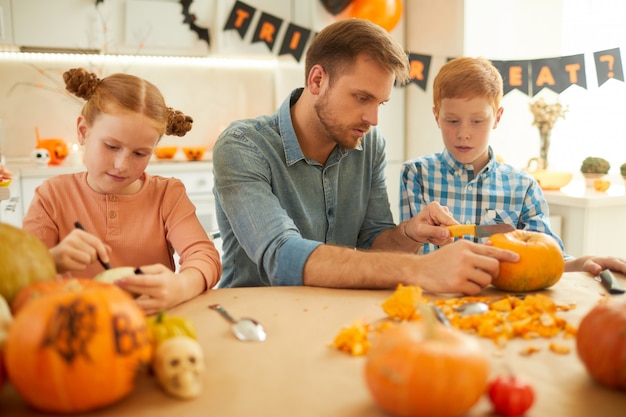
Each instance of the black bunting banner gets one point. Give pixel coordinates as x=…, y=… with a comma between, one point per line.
x=608, y=65
x=527, y=76
x=419, y=68
x=294, y=41
x=514, y=75
x=240, y=18
x=266, y=30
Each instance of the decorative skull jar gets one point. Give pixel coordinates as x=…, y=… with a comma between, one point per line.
x=178, y=365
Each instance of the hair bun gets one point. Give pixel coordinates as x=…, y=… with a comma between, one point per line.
x=80, y=82
x=177, y=123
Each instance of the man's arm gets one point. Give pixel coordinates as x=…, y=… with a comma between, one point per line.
x=462, y=267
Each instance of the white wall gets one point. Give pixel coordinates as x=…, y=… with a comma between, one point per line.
x=527, y=29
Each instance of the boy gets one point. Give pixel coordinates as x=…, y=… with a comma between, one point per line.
x=465, y=177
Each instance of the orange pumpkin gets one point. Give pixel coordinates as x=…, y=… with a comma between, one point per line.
x=71, y=352
x=601, y=343
x=425, y=370
x=42, y=288
x=540, y=265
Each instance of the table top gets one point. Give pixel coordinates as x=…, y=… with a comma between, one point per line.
x=295, y=372
x=576, y=194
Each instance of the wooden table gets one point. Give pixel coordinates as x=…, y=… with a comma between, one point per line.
x=294, y=373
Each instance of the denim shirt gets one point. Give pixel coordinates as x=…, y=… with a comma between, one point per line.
x=275, y=206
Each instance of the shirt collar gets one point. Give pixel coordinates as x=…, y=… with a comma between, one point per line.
x=457, y=167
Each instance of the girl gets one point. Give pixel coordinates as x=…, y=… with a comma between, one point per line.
x=130, y=218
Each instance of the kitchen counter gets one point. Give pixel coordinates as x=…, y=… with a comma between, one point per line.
x=593, y=223
x=295, y=372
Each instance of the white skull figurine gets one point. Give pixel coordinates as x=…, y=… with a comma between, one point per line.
x=41, y=156
x=178, y=365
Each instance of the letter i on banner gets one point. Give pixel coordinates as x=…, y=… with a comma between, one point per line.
x=294, y=41
x=608, y=65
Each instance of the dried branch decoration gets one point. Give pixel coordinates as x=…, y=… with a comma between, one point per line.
x=546, y=115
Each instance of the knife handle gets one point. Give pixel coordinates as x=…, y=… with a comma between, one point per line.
x=462, y=229
x=610, y=282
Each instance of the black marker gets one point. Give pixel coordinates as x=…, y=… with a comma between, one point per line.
x=105, y=265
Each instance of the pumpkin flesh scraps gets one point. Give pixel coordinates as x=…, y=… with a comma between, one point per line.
x=531, y=317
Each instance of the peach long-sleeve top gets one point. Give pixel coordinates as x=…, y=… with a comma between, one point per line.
x=142, y=229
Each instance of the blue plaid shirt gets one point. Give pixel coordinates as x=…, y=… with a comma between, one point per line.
x=498, y=193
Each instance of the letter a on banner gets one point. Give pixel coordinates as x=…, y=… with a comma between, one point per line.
x=240, y=18
x=608, y=65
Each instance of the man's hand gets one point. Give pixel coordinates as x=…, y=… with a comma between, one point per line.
x=426, y=226
x=463, y=266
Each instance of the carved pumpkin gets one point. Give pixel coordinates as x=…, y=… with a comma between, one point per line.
x=42, y=288
x=23, y=259
x=540, y=266
x=423, y=370
x=601, y=343
x=71, y=352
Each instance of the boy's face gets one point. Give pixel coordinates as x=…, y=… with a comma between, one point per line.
x=466, y=124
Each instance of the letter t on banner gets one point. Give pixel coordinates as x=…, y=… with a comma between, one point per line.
x=240, y=18
x=608, y=65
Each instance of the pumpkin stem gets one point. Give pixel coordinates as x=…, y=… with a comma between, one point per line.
x=431, y=314
x=159, y=317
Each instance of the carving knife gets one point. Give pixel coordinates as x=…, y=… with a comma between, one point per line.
x=479, y=230
x=610, y=282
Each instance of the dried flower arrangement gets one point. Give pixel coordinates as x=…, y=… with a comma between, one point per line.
x=545, y=116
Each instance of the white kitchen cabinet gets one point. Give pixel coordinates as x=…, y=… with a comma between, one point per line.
x=138, y=27
x=6, y=23
x=59, y=24
x=593, y=223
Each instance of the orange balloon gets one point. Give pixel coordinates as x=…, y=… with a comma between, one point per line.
x=385, y=13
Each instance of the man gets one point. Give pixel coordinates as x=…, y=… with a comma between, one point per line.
x=296, y=192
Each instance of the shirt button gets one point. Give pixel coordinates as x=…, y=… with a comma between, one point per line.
x=468, y=222
x=469, y=187
x=330, y=212
x=112, y=214
x=112, y=198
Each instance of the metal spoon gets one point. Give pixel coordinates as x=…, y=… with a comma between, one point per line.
x=472, y=308
x=245, y=329
x=478, y=307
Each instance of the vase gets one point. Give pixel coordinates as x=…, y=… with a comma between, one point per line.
x=544, y=148
x=590, y=179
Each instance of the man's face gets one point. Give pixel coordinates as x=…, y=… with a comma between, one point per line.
x=349, y=107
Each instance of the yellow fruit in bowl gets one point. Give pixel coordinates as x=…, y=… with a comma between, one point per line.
x=601, y=184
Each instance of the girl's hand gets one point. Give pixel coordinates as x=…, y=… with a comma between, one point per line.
x=161, y=289
x=78, y=250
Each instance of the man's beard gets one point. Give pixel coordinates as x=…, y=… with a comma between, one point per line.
x=340, y=134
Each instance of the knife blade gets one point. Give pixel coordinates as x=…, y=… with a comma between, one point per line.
x=479, y=230
x=610, y=282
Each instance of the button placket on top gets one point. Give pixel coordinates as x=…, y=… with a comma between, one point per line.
x=330, y=203
x=112, y=211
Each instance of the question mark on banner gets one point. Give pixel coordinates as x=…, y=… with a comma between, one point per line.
x=611, y=60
